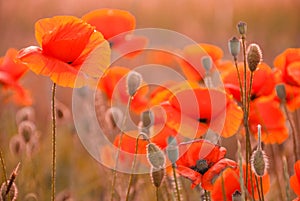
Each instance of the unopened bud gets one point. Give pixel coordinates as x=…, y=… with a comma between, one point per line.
x=27, y=130
x=134, y=80
x=242, y=27
x=237, y=196
x=207, y=63
x=157, y=176
x=234, y=46
x=147, y=119
x=281, y=92
x=259, y=160
x=172, y=150
x=155, y=156
x=254, y=56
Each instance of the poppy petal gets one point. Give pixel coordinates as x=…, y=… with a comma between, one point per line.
x=214, y=172
x=188, y=173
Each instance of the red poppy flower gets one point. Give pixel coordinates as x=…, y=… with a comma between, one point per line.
x=10, y=72
x=113, y=84
x=295, y=179
x=263, y=81
x=67, y=44
x=192, y=111
x=191, y=65
x=202, y=162
x=266, y=111
x=116, y=27
x=232, y=184
x=289, y=64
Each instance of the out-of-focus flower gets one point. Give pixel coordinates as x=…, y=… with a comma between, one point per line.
x=192, y=66
x=117, y=27
x=295, y=179
x=10, y=73
x=288, y=65
x=192, y=111
x=113, y=84
x=202, y=162
x=232, y=184
x=71, y=51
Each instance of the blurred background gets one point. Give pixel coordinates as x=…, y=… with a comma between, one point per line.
x=273, y=24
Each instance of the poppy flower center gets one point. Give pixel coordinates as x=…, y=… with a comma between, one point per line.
x=203, y=120
x=201, y=166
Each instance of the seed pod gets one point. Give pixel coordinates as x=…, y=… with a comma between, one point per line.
x=17, y=145
x=172, y=150
x=234, y=46
x=155, y=156
x=242, y=28
x=134, y=80
x=207, y=63
x=281, y=92
x=157, y=176
x=25, y=114
x=147, y=119
x=254, y=56
x=27, y=130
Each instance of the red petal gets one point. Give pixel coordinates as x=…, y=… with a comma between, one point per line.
x=194, y=176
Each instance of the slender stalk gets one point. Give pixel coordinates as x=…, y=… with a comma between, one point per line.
x=286, y=178
x=240, y=162
x=206, y=194
x=293, y=130
x=258, y=189
x=133, y=163
x=3, y=167
x=239, y=78
x=223, y=188
x=118, y=150
x=176, y=183
x=157, y=191
x=261, y=189
x=53, y=142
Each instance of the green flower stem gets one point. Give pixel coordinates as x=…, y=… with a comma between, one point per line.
x=176, y=182
x=53, y=143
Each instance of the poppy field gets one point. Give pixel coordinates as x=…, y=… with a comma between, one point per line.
x=115, y=101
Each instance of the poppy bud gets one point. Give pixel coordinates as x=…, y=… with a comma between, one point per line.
x=207, y=63
x=234, y=46
x=172, y=149
x=27, y=130
x=134, y=80
x=155, y=156
x=242, y=27
x=237, y=196
x=281, y=92
x=157, y=176
x=254, y=56
x=259, y=161
x=147, y=118
x=113, y=117
x=26, y=113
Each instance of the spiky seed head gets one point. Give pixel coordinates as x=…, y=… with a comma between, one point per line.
x=12, y=194
x=242, y=27
x=155, y=156
x=281, y=92
x=207, y=63
x=172, y=149
x=134, y=80
x=157, y=176
x=254, y=56
x=237, y=196
x=234, y=46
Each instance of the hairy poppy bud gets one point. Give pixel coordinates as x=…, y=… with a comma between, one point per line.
x=207, y=63
x=281, y=92
x=254, y=56
x=234, y=46
x=242, y=27
x=134, y=80
x=172, y=150
x=155, y=156
x=27, y=130
x=157, y=176
x=147, y=118
x=259, y=160
x=237, y=196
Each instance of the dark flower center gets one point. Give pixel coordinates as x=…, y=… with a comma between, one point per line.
x=201, y=166
x=203, y=120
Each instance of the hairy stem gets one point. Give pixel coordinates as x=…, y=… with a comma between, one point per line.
x=118, y=150
x=176, y=183
x=53, y=142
